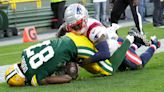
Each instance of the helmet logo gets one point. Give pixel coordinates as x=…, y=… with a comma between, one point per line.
x=78, y=10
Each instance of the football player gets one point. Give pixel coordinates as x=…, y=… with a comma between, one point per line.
x=130, y=59
x=40, y=61
x=123, y=54
x=78, y=21
x=105, y=67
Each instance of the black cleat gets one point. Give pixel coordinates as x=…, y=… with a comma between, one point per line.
x=138, y=37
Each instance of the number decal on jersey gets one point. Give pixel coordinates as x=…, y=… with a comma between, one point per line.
x=43, y=56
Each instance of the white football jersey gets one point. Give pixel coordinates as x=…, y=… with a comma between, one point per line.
x=95, y=30
x=113, y=45
x=112, y=40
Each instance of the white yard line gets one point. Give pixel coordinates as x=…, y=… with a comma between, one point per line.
x=2, y=72
x=12, y=53
x=161, y=49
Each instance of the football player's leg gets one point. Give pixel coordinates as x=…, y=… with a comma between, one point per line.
x=132, y=60
x=105, y=68
x=120, y=40
x=102, y=68
x=135, y=46
x=139, y=38
x=126, y=65
x=147, y=55
x=119, y=55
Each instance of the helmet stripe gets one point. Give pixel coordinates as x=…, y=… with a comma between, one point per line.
x=10, y=75
x=18, y=71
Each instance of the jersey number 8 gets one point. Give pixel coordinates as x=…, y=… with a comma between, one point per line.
x=37, y=59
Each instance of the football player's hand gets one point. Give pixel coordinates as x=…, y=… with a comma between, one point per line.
x=114, y=27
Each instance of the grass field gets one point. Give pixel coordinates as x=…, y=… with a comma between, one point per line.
x=150, y=79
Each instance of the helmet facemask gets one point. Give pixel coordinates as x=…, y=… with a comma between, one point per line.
x=79, y=27
x=76, y=16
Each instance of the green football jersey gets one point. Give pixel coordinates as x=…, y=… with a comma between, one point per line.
x=44, y=58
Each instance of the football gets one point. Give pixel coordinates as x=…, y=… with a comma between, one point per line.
x=72, y=69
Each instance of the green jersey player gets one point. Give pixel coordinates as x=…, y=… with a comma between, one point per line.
x=40, y=61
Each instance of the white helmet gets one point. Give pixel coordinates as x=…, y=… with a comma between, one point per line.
x=76, y=17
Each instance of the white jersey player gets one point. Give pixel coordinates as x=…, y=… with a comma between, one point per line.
x=77, y=21
x=105, y=39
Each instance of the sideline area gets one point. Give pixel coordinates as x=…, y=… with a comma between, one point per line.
x=49, y=33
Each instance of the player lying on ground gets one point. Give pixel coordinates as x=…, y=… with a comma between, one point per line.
x=40, y=61
x=78, y=21
x=15, y=77
x=105, y=67
x=130, y=59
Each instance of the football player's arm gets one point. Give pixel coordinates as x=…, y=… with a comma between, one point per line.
x=56, y=79
x=98, y=36
x=71, y=72
x=51, y=80
x=102, y=54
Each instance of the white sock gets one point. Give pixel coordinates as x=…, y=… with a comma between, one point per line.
x=130, y=38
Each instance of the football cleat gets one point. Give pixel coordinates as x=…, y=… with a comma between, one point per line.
x=155, y=41
x=14, y=76
x=138, y=37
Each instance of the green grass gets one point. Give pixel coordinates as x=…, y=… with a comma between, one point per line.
x=148, y=29
x=150, y=79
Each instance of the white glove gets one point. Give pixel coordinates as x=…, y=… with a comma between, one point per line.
x=114, y=27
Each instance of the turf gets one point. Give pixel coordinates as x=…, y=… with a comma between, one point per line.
x=148, y=29
x=150, y=79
